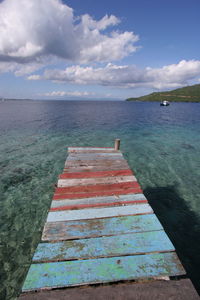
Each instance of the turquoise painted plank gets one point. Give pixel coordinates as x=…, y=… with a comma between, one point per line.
x=126, y=244
x=95, y=200
x=93, y=213
x=79, y=272
x=55, y=231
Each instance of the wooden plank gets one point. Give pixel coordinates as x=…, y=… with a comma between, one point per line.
x=95, y=157
x=120, y=245
x=92, y=168
x=94, y=151
x=78, y=229
x=95, y=200
x=90, y=149
x=80, y=195
x=89, y=168
x=91, y=213
x=71, y=273
x=103, y=162
x=181, y=289
x=99, y=154
x=96, y=174
x=95, y=188
x=93, y=181
x=92, y=205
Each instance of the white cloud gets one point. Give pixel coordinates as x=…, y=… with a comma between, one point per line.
x=170, y=76
x=63, y=93
x=34, y=29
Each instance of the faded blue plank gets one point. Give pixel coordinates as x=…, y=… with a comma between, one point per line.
x=96, y=200
x=93, y=213
x=100, y=227
x=126, y=244
x=79, y=272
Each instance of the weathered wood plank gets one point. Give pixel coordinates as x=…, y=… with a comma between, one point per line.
x=87, y=168
x=99, y=154
x=94, y=151
x=120, y=245
x=99, y=187
x=91, y=213
x=96, y=174
x=95, y=200
x=93, y=205
x=94, y=181
x=181, y=289
x=78, y=229
x=71, y=273
x=94, y=157
x=108, y=192
x=103, y=162
x=90, y=149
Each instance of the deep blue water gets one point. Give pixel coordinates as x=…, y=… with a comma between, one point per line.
x=161, y=144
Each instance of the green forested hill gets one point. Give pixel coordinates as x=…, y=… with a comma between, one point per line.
x=186, y=94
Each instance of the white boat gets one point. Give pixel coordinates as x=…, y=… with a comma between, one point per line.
x=164, y=103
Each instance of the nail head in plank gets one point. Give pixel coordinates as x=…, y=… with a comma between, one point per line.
x=79, y=272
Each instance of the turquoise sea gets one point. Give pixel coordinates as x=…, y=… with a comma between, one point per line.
x=161, y=144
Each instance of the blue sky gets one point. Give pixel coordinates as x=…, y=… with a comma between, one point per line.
x=53, y=49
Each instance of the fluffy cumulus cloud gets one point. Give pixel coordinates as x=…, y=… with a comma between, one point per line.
x=32, y=30
x=170, y=76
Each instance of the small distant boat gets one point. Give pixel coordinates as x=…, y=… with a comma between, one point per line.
x=164, y=103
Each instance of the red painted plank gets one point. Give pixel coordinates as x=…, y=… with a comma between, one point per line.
x=96, y=194
x=79, y=206
x=96, y=174
x=96, y=188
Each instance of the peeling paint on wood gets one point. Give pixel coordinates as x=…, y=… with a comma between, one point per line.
x=71, y=273
x=96, y=174
x=126, y=244
x=92, y=213
x=100, y=227
x=78, y=229
x=94, y=200
x=97, y=188
x=95, y=181
x=96, y=194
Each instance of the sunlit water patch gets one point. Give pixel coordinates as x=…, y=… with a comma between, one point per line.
x=161, y=144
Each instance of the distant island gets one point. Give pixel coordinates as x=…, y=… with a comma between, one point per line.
x=185, y=94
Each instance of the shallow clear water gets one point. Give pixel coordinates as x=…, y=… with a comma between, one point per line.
x=161, y=144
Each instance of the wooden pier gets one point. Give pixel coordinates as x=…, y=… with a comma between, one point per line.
x=100, y=229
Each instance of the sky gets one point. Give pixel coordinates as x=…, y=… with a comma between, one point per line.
x=97, y=50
